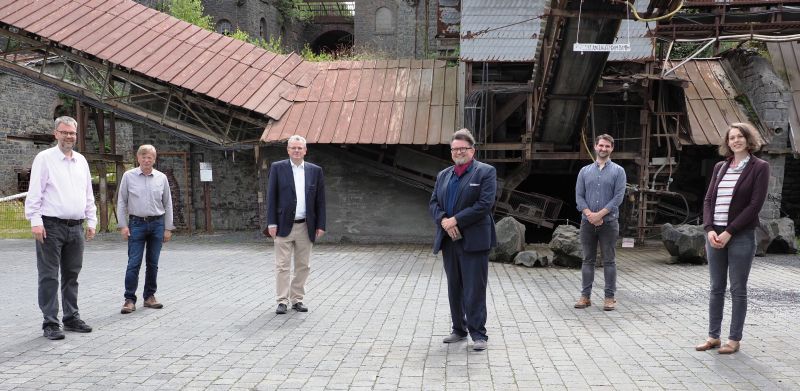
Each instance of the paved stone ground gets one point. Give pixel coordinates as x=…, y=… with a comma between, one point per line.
x=377, y=317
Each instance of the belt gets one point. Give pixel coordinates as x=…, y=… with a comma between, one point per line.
x=300, y=221
x=67, y=222
x=146, y=218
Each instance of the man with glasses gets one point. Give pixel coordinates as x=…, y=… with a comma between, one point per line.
x=295, y=219
x=461, y=206
x=60, y=198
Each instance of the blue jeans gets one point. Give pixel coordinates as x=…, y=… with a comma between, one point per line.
x=734, y=260
x=148, y=234
x=606, y=236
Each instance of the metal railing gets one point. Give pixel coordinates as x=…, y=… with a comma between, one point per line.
x=329, y=8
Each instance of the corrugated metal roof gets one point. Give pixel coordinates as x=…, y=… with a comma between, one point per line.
x=515, y=26
x=373, y=102
x=785, y=58
x=635, y=33
x=642, y=46
x=710, y=104
x=155, y=45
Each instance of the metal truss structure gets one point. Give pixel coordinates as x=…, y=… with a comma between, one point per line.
x=104, y=85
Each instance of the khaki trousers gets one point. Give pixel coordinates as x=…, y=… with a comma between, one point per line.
x=290, y=289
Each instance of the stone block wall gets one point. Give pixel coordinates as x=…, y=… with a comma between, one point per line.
x=25, y=108
x=233, y=190
x=768, y=94
x=362, y=205
x=396, y=27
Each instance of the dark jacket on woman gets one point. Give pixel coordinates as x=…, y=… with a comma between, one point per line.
x=749, y=194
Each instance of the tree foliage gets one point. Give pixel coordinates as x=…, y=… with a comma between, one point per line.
x=190, y=11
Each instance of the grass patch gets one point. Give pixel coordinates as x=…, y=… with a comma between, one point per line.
x=14, y=225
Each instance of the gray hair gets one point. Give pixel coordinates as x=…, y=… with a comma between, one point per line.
x=465, y=135
x=297, y=137
x=66, y=120
x=145, y=148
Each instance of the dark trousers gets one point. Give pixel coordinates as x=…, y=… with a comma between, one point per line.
x=61, y=249
x=606, y=236
x=149, y=235
x=467, y=277
x=734, y=260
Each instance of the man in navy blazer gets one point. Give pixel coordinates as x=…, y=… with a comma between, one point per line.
x=461, y=206
x=295, y=219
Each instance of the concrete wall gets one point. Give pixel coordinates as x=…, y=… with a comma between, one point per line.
x=363, y=206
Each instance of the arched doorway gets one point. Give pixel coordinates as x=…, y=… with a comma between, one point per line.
x=335, y=41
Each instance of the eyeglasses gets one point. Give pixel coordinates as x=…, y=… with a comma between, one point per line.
x=460, y=149
x=67, y=134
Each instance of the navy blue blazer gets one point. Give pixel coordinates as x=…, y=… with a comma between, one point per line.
x=282, y=200
x=473, y=209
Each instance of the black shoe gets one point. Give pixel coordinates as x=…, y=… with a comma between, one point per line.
x=281, y=309
x=299, y=307
x=78, y=326
x=52, y=331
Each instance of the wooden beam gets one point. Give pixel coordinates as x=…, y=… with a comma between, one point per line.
x=512, y=105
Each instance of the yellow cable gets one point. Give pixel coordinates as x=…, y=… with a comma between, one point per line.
x=639, y=18
x=586, y=146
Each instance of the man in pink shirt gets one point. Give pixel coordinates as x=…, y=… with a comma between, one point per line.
x=59, y=199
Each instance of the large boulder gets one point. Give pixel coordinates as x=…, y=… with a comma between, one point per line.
x=510, y=240
x=566, y=246
x=531, y=258
x=685, y=242
x=776, y=236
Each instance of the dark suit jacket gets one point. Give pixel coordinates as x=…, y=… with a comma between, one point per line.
x=282, y=200
x=749, y=194
x=473, y=209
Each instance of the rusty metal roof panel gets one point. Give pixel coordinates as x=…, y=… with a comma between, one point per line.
x=500, y=30
x=135, y=38
x=710, y=103
x=373, y=102
x=784, y=58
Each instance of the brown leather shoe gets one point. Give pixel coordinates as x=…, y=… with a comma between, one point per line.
x=708, y=344
x=609, y=304
x=729, y=347
x=583, y=302
x=128, y=307
x=151, y=302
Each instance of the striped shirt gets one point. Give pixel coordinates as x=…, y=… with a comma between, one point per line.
x=725, y=192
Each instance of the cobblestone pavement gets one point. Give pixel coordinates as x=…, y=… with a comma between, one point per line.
x=377, y=317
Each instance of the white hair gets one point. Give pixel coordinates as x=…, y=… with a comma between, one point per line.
x=297, y=138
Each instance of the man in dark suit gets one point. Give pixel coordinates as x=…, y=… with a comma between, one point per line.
x=295, y=219
x=461, y=206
